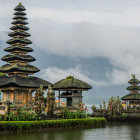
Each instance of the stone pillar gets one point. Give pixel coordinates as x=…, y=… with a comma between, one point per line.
x=12, y=96
x=26, y=93
x=24, y=97
x=18, y=97
x=8, y=95
x=59, y=99
x=72, y=98
x=4, y=96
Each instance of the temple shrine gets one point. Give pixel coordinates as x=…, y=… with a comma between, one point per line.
x=133, y=98
x=17, y=84
x=71, y=89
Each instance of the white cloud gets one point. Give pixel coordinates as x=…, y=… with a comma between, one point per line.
x=119, y=16
x=54, y=74
x=120, y=45
x=86, y=40
x=3, y=36
x=119, y=77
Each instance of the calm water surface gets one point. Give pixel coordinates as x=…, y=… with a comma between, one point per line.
x=113, y=131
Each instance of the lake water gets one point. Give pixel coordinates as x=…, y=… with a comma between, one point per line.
x=113, y=131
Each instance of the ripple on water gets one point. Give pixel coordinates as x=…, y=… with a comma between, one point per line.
x=113, y=131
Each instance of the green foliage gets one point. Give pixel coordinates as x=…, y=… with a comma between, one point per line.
x=115, y=106
x=124, y=115
x=25, y=116
x=20, y=115
x=47, y=124
x=82, y=113
x=2, y=74
x=73, y=115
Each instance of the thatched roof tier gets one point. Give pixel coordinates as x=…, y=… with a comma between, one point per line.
x=131, y=97
x=20, y=13
x=20, y=27
x=18, y=48
x=20, y=7
x=19, y=33
x=19, y=40
x=17, y=67
x=25, y=82
x=133, y=80
x=19, y=17
x=27, y=58
x=133, y=88
x=19, y=21
x=71, y=83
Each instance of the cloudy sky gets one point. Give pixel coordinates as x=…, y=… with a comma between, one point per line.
x=97, y=41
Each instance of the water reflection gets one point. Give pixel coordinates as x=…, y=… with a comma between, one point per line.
x=115, y=131
x=134, y=131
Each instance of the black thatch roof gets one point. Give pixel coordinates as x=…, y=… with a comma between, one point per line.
x=21, y=27
x=20, y=7
x=25, y=82
x=27, y=58
x=19, y=17
x=19, y=40
x=17, y=67
x=133, y=88
x=18, y=48
x=71, y=83
x=19, y=33
x=131, y=97
x=132, y=81
x=20, y=13
x=19, y=21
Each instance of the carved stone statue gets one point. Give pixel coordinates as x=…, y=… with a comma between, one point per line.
x=93, y=108
x=50, y=101
x=104, y=105
x=39, y=101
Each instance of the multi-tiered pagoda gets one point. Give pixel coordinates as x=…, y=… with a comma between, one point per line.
x=17, y=85
x=133, y=98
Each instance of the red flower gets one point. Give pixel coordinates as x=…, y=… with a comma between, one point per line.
x=87, y=109
x=34, y=107
x=22, y=105
x=17, y=106
x=82, y=107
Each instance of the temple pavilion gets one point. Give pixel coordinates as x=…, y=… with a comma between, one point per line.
x=133, y=98
x=71, y=89
x=17, y=84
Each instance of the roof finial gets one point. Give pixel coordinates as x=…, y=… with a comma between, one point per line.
x=20, y=3
x=133, y=76
x=70, y=77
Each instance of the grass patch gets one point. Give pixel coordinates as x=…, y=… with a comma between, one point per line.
x=52, y=124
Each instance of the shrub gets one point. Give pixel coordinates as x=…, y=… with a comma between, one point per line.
x=124, y=115
x=74, y=115
x=20, y=115
x=52, y=124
